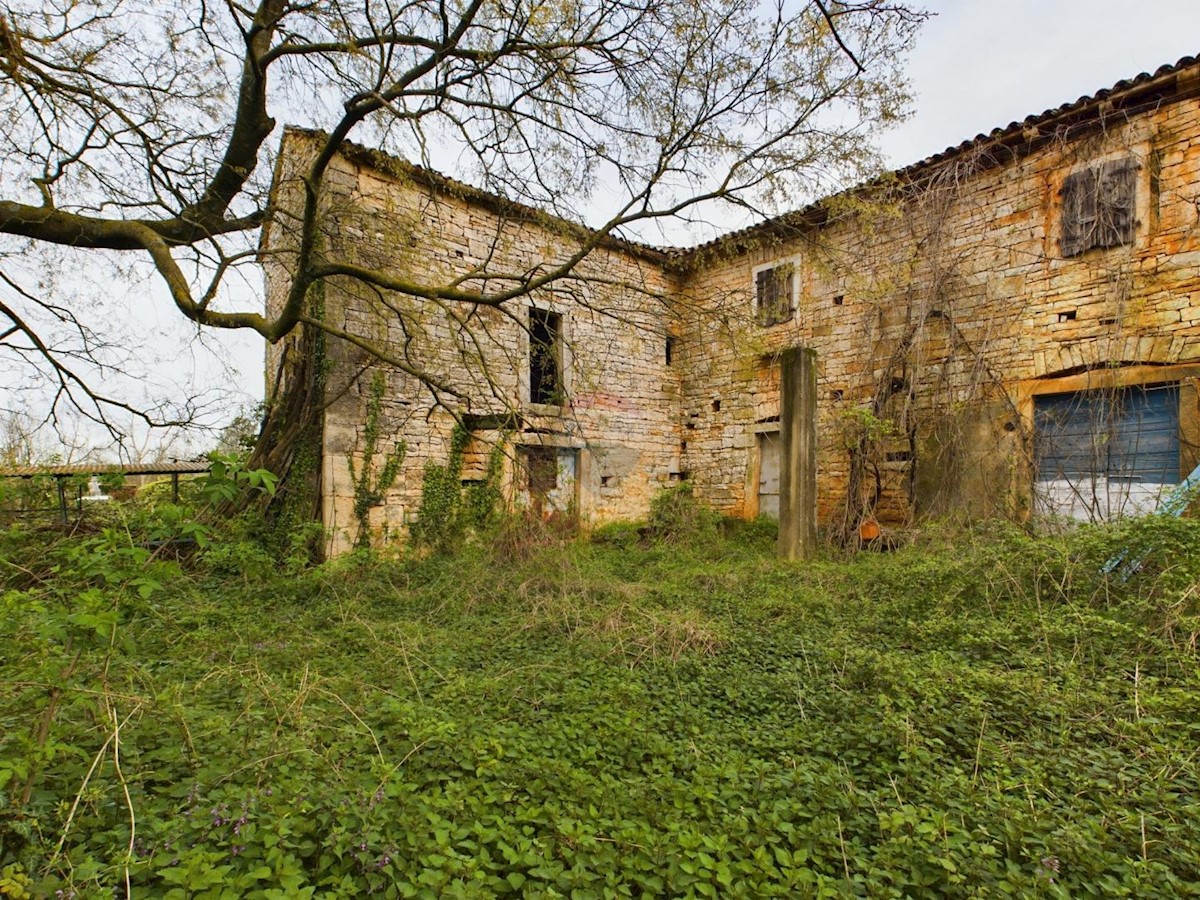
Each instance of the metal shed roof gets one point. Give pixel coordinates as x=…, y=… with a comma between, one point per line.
x=160, y=468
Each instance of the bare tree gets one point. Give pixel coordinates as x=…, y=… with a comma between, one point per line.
x=143, y=129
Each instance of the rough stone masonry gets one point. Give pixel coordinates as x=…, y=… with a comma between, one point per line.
x=956, y=308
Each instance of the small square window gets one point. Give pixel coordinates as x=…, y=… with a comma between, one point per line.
x=773, y=290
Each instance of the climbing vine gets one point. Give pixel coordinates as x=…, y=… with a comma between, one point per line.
x=448, y=510
x=438, y=524
x=370, y=485
x=290, y=442
x=482, y=499
x=925, y=375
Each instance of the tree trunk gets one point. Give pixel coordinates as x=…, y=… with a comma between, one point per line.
x=290, y=447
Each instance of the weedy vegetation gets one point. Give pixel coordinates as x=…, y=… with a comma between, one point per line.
x=651, y=711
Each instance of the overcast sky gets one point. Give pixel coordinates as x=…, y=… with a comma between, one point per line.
x=979, y=64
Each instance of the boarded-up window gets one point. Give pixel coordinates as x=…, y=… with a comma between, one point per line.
x=1098, y=207
x=773, y=295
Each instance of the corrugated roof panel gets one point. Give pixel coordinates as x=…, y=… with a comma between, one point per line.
x=162, y=468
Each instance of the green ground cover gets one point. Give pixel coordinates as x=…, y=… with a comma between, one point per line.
x=627, y=716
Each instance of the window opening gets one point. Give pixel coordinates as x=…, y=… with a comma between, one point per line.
x=545, y=357
x=773, y=294
x=669, y=350
x=1104, y=453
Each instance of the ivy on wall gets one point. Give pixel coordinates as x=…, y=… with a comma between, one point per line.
x=370, y=485
x=450, y=510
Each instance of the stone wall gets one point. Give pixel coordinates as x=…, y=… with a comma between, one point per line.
x=938, y=309
x=940, y=303
x=617, y=427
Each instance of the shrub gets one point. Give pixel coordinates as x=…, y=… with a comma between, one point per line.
x=676, y=515
x=524, y=532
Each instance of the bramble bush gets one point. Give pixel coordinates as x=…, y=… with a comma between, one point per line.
x=980, y=713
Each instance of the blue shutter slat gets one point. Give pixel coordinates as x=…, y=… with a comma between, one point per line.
x=1146, y=446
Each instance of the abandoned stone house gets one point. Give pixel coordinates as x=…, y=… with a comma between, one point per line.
x=1010, y=327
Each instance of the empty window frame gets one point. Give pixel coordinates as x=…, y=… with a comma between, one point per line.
x=541, y=471
x=1098, y=207
x=773, y=292
x=545, y=357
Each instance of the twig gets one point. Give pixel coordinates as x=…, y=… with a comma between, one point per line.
x=116, y=744
x=357, y=718
x=96, y=760
x=979, y=749
x=836, y=36
x=842, y=844
x=1137, y=681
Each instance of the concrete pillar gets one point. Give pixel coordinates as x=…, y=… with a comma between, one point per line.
x=798, y=454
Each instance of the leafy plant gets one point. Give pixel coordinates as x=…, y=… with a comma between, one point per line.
x=449, y=511
x=858, y=425
x=228, y=477
x=982, y=713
